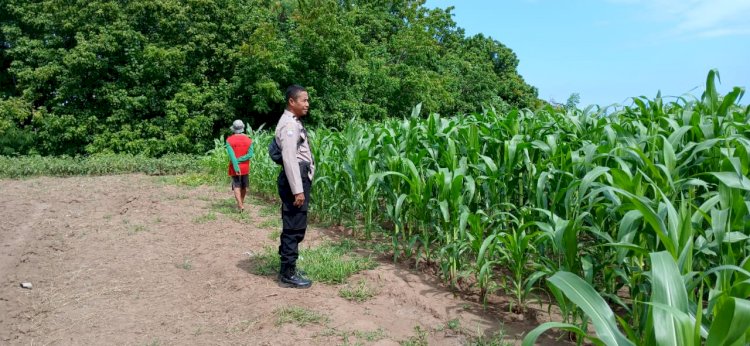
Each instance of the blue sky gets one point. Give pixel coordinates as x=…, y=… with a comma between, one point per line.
x=611, y=50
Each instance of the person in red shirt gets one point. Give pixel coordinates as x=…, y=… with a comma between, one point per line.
x=239, y=148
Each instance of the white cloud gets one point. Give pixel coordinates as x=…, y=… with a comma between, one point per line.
x=698, y=18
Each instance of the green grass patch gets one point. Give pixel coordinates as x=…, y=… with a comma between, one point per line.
x=495, y=340
x=269, y=210
x=299, y=316
x=274, y=235
x=228, y=207
x=190, y=179
x=369, y=336
x=419, y=338
x=210, y=216
x=358, y=293
x=270, y=224
x=454, y=324
x=330, y=263
x=100, y=164
x=135, y=229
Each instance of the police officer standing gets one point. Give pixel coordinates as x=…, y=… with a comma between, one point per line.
x=294, y=183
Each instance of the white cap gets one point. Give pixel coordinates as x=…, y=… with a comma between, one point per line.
x=237, y=126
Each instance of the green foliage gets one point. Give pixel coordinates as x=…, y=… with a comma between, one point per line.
x=299, y=316
x=359, y=293
x=675, y=319
x=419, y=338
x=514, y=198
x=105, y=164
x=573, y=100
x=152, y=77
x=329, y=263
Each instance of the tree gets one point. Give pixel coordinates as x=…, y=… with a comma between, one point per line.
x=159, y=76
x=573, y=100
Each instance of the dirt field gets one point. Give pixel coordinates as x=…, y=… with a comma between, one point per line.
x=132, y=260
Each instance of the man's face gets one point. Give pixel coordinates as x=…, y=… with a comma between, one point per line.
x=299, y=105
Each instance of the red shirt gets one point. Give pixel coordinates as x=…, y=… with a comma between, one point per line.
x=240, y=144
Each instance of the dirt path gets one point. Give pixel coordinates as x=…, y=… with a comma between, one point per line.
x=132, y=260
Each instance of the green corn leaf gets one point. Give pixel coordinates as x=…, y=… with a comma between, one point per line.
x=740, y=289
x=705, y=208
x=670, y=159
x=628, y=246
x=699, y=330
x=718, y=269
x=374, y=177
x=731, y=324
x=489, y=241
x=734, y=237
x=729, y=100
x=676, y=137
x=652, y=217
x=627, y=231
x=586, y=298
x=416, y=110
x=532, y=280
x=733, y=180
x=444, y=210
x=668, y=289
x=534, y=334
x=590, y=177
x=711, y=96
x=491, y=166
x=397, y=212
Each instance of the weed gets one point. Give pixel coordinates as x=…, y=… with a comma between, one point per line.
x=228, y=207
x=135, y=229
x=190, y=179
x=210, y=216
x=242, y=326
x=329, y=263
x=419, y=339
x=204, y=198
x=371, y=336
x=274, y=235
x=494, y=340
x=269, y=210
x=359, y=293
x=270, y=224
x=186, y=264
x=299, y=316
x=454, y=324
x=100, y=164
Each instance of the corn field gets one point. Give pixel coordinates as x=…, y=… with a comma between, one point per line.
x=635, y=222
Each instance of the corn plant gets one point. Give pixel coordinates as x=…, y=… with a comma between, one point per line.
x=593, y=193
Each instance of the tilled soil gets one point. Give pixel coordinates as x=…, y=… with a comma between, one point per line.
x=132, y=260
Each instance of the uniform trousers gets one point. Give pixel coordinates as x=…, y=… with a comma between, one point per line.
x=294, y=219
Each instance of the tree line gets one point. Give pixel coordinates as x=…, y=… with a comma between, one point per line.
x=158, y=76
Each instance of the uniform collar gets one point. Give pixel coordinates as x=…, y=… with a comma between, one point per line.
x=290, y=114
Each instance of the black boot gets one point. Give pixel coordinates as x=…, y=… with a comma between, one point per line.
x=300, y=272
x=290, y=278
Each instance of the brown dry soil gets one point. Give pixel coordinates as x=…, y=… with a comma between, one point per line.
x=134, y=260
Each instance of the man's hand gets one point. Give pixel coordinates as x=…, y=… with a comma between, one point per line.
x=299, y=200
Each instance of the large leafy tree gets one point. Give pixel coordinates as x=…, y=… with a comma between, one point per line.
x=158, y=76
